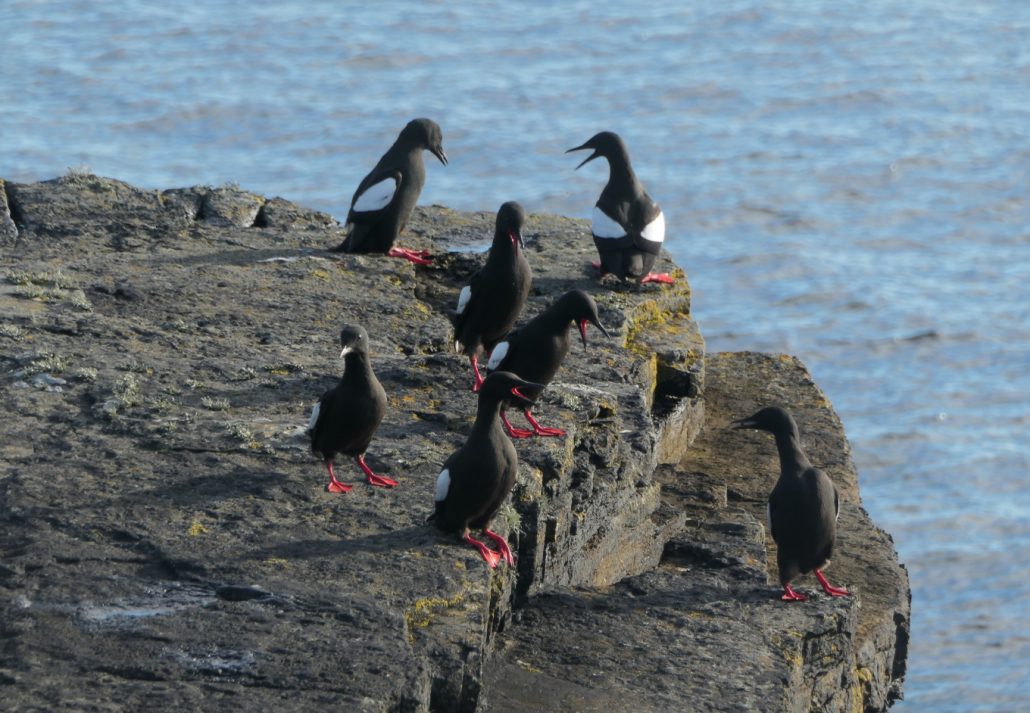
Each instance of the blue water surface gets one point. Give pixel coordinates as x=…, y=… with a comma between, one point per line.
x=845, y=181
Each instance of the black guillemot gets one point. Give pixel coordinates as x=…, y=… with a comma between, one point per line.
x=536, y=350
x=346, y=417
x=385, y=197
x=489, y=305
x=803, y=506
x=476, y=478
x=628, y=227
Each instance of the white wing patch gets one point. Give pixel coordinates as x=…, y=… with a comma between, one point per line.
x=497, y=356
x=376, y=196
x=604, y=227
x=655, y=230
x=463, y=298
x=443, y=484
x=314, y=416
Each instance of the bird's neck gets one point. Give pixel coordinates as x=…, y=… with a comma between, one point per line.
x=487, y=417
x=356, y=364
x=503, y=248
x=792, y=457
x=620, y=173
x=402, y=149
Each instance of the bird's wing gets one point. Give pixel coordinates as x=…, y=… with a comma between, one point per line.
x=503, y=349
x=655, y=230
x=606, y=227
x=648, y=225
x=466, y=303
x=443, y=485
x=772, y=513
x=376, y=196
x=321, y=410
x=314, y=416
x=463, y=299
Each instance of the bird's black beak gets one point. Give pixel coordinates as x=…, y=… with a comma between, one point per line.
x=588, y=159
x=743, y=423
x=438, y=152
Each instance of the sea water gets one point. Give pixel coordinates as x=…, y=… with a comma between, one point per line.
x=844, y=181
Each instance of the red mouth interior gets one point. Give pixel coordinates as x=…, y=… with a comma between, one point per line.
x=515, y=392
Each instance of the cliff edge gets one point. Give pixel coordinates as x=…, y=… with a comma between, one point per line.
x=166, y=540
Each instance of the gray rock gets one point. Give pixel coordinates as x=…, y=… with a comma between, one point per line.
x=8, y=229
x=171, y=531
x=706, y=629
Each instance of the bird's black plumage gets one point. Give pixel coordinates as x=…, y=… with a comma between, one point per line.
x=476, y=478
x=347, y=415
x=536, y=350
x=803, y=505
x=628, y=227
x=492, y=301
x=385, y=198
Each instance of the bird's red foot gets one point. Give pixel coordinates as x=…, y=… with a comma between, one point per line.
x=829, y=588
x=502, y=545
x=380, y=481
x=377, y=480
x=419, y=257
x=336, y=486
x=662, y=277
x=539, y=430
x=512, y=431
x=789, y=595
x=492, y=558
x=478, y=378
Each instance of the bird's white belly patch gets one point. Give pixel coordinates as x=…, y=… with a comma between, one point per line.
x=604, y=227
x=443, y=484
x=655, y=230
x=377, y=196
x=497, y=356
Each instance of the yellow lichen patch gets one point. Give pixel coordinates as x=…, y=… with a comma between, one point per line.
x=527, y=666
x=320, y=274
x=422, y=611
x=197, y=529
x=863, y=678
x=276, y=562
x=649, y=318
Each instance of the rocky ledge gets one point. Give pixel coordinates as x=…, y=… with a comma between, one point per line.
x=167, y=541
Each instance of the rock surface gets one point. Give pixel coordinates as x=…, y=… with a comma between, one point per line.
x=166, y=540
